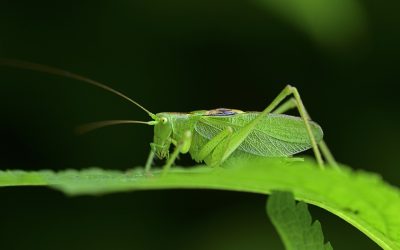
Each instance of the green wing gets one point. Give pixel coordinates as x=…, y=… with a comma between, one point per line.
x=275, y=136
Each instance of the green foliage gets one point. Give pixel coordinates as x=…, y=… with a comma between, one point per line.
x=294, y=224
x=363, y=199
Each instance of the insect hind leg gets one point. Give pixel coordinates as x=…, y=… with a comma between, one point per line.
x=291, y=104
x=290, y=90
x=286, y=106
x=238, y=137
x=211, y=145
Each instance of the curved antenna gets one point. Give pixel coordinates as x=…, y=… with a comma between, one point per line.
x=64, y=73
x=85, y=128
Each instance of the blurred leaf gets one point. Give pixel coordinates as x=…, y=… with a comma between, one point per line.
x=333, y=23
x=362, y=199
x=294, y=224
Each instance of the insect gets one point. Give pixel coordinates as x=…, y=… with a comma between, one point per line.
x=215, y=135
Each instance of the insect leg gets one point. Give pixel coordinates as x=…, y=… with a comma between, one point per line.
x=327, y=154
x=149, y=160
x=233, y=142
x=305, y=117
x=292, y=103
x=224, y=150
x=181, y=147
x=213, y=143
x=287, y=105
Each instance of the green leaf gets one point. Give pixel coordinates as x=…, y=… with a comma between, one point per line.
x=294, y=224
x=363, y=199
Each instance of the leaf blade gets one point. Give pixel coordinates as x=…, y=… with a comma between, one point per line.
x=360, y=198
x=294, y=223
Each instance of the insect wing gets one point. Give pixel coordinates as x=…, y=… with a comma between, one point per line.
x=275, y=136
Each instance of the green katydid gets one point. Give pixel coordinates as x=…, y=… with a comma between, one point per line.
x=215, y=135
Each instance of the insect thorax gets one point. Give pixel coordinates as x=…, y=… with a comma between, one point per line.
x=179, y=123
x=217, y=112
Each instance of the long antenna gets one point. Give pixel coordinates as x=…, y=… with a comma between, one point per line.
x=64, y=73
x=95, y=125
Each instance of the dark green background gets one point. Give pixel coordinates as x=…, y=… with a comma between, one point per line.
x=180, y=56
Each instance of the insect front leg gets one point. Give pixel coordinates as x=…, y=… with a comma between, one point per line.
x=150, y=158
x=181, y=146
x=149, y=161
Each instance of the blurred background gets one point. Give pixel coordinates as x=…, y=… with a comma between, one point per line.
x=177, y=55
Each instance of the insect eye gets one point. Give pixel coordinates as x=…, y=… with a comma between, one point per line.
x=164, y=120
